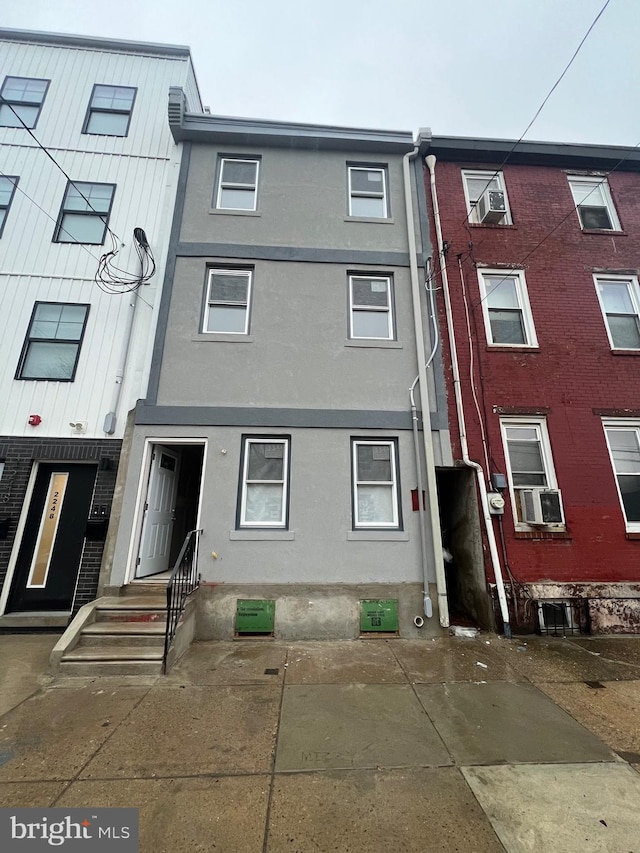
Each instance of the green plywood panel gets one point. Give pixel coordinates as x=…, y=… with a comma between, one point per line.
x=379, y=615
x=254, y=616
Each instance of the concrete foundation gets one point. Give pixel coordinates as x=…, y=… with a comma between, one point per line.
x=313, y=612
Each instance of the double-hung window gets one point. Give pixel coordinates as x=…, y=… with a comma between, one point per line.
x=110, y=110
x=623, y=440
x=21, y=100
x=532, y=480
x=368, y=196
x=84, y=216
x=265, y=482
x=370, y=307
x=227, y=303
x=53, y=341
x=486, y=197
x=8, y=184
x=505, y=306
x=620, y=302
x=237, y=184
x=594, y=204
x=375, y=484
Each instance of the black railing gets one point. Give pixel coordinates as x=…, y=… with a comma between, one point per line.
x=184, y=579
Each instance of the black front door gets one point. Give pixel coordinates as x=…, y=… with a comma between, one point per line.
x=51, y=548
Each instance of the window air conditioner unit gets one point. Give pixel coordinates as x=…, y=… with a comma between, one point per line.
x=491, y=207
x=541, y=506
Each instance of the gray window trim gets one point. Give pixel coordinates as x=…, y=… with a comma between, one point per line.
x=6, y=207
x=38, y=104
x=91, y=110
x=104, y=217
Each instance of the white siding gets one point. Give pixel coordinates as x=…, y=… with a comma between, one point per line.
x=144, y=167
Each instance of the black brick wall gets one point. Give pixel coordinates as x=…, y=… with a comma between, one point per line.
x=19, y=456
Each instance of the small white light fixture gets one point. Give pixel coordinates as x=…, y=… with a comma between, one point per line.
x=78, y=426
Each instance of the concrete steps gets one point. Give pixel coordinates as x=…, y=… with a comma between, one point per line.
x=122, y=635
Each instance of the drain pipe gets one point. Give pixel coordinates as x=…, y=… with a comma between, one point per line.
x=482, y=485
x=436, y=536
x=109, y=426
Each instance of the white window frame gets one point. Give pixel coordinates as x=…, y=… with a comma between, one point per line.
x=281, y=523
x=384, y=195
x=358, y=523
x=634, y=295
x=524, y=306
x=606, y=194
x=230, y=185
x=621, y=425
x=388, y=309
x=487, y=176
x=540, y=426
x=213, y=271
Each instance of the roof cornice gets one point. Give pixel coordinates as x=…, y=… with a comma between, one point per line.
x=225, y=130
x=94, y=43
x=564, y=155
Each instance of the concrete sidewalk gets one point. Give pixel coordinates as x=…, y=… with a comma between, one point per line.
x=368, y=745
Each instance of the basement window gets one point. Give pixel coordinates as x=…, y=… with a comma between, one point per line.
x=563, y=617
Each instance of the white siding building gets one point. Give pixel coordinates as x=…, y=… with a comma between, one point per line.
x=86, y=157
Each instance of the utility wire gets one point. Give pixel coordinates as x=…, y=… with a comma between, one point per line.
x=55, y=162
x=539, y=110
x=520, y=264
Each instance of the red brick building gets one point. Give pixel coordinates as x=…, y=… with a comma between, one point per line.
x=536, y=270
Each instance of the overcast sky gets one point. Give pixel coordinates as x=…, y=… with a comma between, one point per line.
x=460, y=67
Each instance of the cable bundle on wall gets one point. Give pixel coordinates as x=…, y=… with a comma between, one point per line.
x=114, y=280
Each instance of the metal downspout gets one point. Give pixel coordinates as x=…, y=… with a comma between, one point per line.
x=482, y=486
x=109, y=426
x=436, y=536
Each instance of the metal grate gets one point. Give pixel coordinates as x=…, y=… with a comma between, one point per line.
x=563, y=617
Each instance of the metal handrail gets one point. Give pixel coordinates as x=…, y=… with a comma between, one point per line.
x=183, y=581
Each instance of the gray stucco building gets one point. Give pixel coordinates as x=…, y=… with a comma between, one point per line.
x=294, y=329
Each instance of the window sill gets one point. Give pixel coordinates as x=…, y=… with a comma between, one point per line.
x=372, y=342
x=633, y=535
x=377, y=536
x=494, y=225
x=378, y=220
x=262, y=535
x=543, y=534
x=512, y=348
x=220, y=337
x=607, y=232
x=625, y=352
x=231, y=212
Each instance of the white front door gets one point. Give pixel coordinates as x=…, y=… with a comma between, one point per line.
x=159, y=512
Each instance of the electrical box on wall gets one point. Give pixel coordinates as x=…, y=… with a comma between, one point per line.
x=496, y=503
x=379, y=615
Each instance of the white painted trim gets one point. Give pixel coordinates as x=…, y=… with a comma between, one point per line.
x=373, y=308
x=282, y=522
x=627, y=425
x=384, y=195
x=523, y=304
x=236, y=186
x=608, y=200
x=141, y=495
x=634, y=294
x=375, y=525
x=540, y=425
x=487, y=175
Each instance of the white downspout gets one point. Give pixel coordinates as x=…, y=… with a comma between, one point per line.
x=109, y=426
x=482, y=486
x=436, y=536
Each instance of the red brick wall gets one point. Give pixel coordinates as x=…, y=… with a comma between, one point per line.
x=572, y=373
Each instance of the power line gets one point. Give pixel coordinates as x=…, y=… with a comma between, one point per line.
x=98, y=213
x=540, y=108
